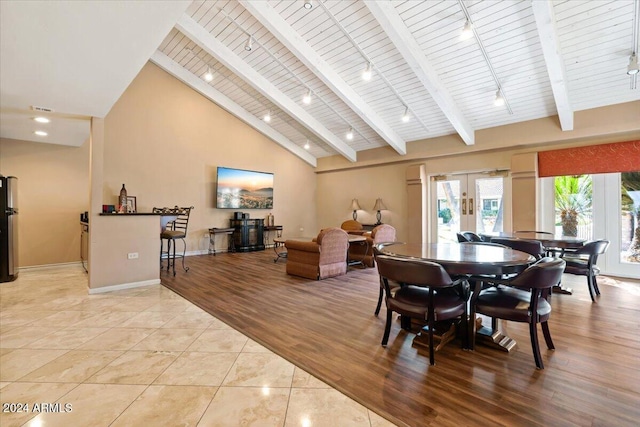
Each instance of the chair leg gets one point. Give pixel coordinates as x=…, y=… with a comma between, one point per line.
x=387, y=328
x=168, y=254
x=173, y=256
x=590, y=285
x=432, y=356
x=533, y=331
x=595, y=285
x=379, y=302
x=547, y=335
x=494, y=323
x=184, y=253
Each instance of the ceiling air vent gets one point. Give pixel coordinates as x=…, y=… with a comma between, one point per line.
x=41, y=109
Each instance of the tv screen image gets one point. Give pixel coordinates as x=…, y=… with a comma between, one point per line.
x=243, y=189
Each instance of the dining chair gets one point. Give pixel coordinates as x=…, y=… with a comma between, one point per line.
x=582, y=262
x=393, y=285
x=550, y=251
x=175, y=230
x=525, y=298
x=532, y=247
x=429, y=294
x=468, y=236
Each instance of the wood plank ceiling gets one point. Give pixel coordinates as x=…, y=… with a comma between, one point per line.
x=546, y=58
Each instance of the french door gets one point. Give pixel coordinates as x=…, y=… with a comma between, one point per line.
x=468, y=202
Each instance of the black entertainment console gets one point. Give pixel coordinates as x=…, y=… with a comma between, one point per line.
x=248, y=234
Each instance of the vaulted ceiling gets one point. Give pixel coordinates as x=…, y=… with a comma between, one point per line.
x=543, y=58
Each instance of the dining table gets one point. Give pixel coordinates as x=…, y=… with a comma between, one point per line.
x=551, y=242
x=465, y=259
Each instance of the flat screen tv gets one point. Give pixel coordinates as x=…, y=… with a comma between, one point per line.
x=243, y=189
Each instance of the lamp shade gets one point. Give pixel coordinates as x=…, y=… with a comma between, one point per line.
x=355, y=206
x=379, y=206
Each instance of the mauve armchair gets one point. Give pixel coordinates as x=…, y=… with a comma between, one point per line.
x=383, y=233
x=324, y=257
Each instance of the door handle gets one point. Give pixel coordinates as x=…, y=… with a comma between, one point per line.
x=470, y=206
x=464, y=206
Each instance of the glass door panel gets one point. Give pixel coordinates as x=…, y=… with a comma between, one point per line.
x=468, y=202
x=629, y=205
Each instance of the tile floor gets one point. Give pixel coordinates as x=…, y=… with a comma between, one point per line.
x=147, y=357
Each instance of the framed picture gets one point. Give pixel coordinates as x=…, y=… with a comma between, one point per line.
x=131, y=204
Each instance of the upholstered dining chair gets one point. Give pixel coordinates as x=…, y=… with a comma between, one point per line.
x=175, y=230
x=352, y=226
x=428, y=294
x=468, y=236
x=383, y=233
x=393, y=285
x=532, y=247
x=325, y=256
x=582, y=262
x=525, y=298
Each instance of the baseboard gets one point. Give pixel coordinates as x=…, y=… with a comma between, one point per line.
x=47, y=266
x=123, y=286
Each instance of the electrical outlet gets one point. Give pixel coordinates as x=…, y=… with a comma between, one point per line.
x=132, y=255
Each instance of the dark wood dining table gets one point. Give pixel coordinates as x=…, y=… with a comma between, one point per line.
x=549, y=241
x=466, y=259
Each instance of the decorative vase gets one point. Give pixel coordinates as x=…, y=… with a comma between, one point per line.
x=123, y=200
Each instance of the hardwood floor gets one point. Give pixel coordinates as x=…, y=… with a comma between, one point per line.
x=328, y=328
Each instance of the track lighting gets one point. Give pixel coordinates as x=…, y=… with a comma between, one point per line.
x=499, y=100
x=308, y=4
x=249, y=44
x=267, y=117
x=208, y=76
x=632, y=68
x=41, y=133
x=307, y=97
x=467, y=31
x=306, y=145
x=350, y=134
x=41, y=119
x=368, y=72
x=406, y=117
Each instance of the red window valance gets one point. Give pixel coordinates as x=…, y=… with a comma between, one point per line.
x=604, y=158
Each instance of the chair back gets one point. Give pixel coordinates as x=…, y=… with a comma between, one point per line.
x=544, y=274
x=593, y=249
x=383, y=233
x=468, y=236
x=532, y=247
x=351, y=225
x=181, y=222
x=334, y=244
x=415, y=272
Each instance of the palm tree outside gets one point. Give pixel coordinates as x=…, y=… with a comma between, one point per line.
x=573, y=200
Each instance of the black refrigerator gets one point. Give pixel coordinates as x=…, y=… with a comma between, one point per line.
x=8, y=228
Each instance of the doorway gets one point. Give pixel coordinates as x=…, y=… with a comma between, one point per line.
x=468, y=202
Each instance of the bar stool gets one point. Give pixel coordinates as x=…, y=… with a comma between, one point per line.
x=176, y=230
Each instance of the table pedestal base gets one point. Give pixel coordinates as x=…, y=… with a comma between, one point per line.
x=559, y=289
x=493, y=339
x=442, y=334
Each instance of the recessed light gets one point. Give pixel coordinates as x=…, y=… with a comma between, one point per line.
x=41, y=119
x=41, y=133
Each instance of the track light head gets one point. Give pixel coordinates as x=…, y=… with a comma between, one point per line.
x=499, y=99
x=632, y=68
x=406, y=117
x=368, y=72
x=467, y=31
x=308, y=4
x=307, y=97
x=267, y=117
x=208, y=76
x=350, y=134
x=249, y=44
x=306, y=145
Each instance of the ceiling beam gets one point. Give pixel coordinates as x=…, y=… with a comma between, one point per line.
x=290, y=38
x=546, y=24
x=196, y=83
x=235, y=64
x=395, y=28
